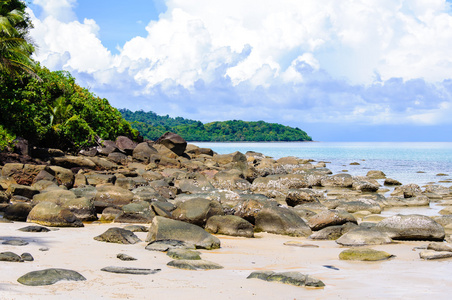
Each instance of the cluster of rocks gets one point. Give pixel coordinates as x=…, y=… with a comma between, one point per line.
x=186, y=194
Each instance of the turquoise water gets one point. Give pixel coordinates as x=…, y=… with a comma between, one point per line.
x=408, y=162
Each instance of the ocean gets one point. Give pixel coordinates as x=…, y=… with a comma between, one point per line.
x=408, y=162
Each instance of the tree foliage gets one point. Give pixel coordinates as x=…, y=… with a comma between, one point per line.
x=152, y=126
x=15, y=45
x=54, y=111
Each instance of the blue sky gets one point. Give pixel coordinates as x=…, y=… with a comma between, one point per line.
x=349, y=70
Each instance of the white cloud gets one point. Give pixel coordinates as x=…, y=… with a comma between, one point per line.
x=365, y=61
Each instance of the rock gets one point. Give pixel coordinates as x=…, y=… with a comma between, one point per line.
x=412, y=201
x=230, y=225
x=390, y=181
x=34, y=228
x=292, y=278
x=185, y=254
x=360, y=205
x=411, y=227
x=300, y=196
x=338, y=180
x=163, y=229
x=118, y=235
x=194, y=264
x=143, y=152
x=364, y=184
x=136, y=228
x=300, y=244
x=118, y=158
x=224, y=159
x=49, y=276
x=69, y=162
x=82, y=208
x=99, y=179
x=375, y=174
x=10, y=256
x=248, y=209
x=173, y=142
x=55, y=196
x=125, y=257
x=27, y=256
x=109, y=214
x=430, y=254
x=50, y=214
x=333, y=232
x=280, y=220
x=166, y=245
x=330, y=217
x=364, y=254
x=112, y=196
x=18, y=212
x=407, y=191
x=275, y=185
x=22, y=190
x=364, y=236
x=131, y=271
x=197, y=211
x=15, y=243
x=103, y=163
x=440, y=247
x=125, y=144
x=63, y=176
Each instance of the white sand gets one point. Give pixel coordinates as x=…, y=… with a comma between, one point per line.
x=404, y=277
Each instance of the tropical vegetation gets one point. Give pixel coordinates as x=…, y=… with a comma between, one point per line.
x=152, y=126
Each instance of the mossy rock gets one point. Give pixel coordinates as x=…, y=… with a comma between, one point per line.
x=364, y=254
x=184, y=254
x=194, y=264
x=49, y=276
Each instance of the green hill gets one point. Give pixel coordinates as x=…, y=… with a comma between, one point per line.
x=152, y=126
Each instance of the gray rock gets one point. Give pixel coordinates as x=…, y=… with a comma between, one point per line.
x=360, y=205
x=376, y=174
x=364, y=237
x=292, y=278
x=330, y=217
x=34, y=228
x=136, y=228
x=194, y=264
x=131, y=271
x=338, y=180
x=49, y=276
x=230, y=225
x=164, y=229
x=407, y=191
x=10, y=256
x=50, y=214
x=143, y=152
x=333, y=232
x=125, y=257
x=173, y=142
x=118, y=235
x=440, y=247
x=15, y=242
x=63, y=176
x=18, y=212
x=197, y=211
x=411, y=227
x=280, y=220
x=125, y=144
x=431, y=254
x=69, y=162
x=186, y=254
x=165, y=245
x=27, y=256
x=112, y=196
x=300, y=196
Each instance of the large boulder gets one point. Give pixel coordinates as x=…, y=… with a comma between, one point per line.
x=338, y=180
x=230, y=225
x=57, y=196
x=407, y=191
x=333, y=232
x=197, y=211
x=63, y=176
x=164, y=229
x=143, y=152
x=125, y=144
x=281, y=220
x=22, y=190
x=70, y=161
x=330, y=217
x=51, y=214
x=173, y=142
x=412, y=227
x=112, y=196
x=18, y=212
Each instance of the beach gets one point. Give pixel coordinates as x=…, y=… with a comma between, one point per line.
x=404, y=276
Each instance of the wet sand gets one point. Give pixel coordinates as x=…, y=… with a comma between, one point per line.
x=405, y=276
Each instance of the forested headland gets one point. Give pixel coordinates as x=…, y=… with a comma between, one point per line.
x=152, y=126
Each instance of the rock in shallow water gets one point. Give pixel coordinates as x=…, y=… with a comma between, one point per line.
x=49, y=276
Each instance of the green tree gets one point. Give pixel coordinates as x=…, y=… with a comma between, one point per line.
x=15, y=45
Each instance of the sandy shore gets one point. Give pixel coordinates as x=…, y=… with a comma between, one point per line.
x=405, y=276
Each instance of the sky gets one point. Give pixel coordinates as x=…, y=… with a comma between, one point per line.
x=349, y=70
